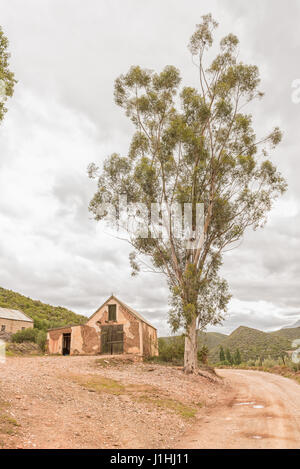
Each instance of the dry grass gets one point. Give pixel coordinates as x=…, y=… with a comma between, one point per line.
x=100, y=384
x=148, y=394
x=183, y=410
x=8, y=425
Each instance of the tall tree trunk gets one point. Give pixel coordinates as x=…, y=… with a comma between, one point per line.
x=191, y=348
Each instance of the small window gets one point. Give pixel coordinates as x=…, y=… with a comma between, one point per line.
x=23, y=328
x=112, y=312
x=3, y=328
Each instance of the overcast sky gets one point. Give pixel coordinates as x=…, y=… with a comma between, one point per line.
x=66, y=55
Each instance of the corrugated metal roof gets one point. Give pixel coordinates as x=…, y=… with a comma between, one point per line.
x=14, y=314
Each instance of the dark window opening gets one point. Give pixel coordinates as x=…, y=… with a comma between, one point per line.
x=112, y=312
x=3, y=327
x=23, y=328
x=66, y=343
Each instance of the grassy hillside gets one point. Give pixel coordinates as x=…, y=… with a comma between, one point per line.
x=45, y=316
x=171, y=349
x=210, y=339
x=292, y=333
x=252, y=344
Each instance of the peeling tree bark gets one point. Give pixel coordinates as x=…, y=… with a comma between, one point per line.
x=190, y=348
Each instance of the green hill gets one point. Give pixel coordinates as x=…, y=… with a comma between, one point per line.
x=45, y=316
x=172, y=348
x=290, y=333
x=210, y=339
x=252, y=344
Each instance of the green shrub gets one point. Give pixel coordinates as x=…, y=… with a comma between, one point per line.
x=295, y=366
x=41, y=339
x=203, y=354
x=221, y=354
x=269, y=363
x=171, y=349
x=237, y=360
x=31, y=335
x=228, y=356
x=27, y=335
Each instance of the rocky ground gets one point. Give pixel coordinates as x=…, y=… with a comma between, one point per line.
x=90, y=402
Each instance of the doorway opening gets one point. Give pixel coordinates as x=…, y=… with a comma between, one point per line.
x=66, y=344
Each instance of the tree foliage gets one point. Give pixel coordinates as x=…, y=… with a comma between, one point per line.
x=203, y=354
x=37, y=336
x=228, y=356
x=194, y=146
x=237, y=359
x=222, y=354
x=7, y=80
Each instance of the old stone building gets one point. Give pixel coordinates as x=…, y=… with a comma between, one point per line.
x=12, y=321
x=114, y=328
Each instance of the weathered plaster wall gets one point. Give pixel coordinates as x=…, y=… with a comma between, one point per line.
x=54, y=339
x=90, y=340
x=84, y=340
x=12, y=326
x=124, y=317
x=76, y=347
x=150, y=345
x=139, y=338
x=131, y=333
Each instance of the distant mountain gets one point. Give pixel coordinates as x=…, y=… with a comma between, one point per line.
x=290, y=333
x=297, y=324
x=210, y=339
x=253, y=344
x=45, y=316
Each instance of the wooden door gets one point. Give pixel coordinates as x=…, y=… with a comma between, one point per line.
x=112, y=340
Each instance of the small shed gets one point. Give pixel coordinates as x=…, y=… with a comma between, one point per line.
x=13, y=320
x=114, y=328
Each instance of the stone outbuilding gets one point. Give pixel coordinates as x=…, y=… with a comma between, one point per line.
x=12, y=321
x=115, y=328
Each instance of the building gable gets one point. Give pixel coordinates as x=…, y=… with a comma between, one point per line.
x=112, y=311
x=102, y=312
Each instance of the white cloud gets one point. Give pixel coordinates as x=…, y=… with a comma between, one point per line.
x=66, y=56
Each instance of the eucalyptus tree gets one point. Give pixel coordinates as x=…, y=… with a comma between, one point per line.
x=191, y=146
x=7, y=80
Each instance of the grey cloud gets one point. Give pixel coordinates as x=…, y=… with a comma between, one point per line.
x=66, y=56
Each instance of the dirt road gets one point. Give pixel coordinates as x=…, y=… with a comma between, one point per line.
x=263, y=411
